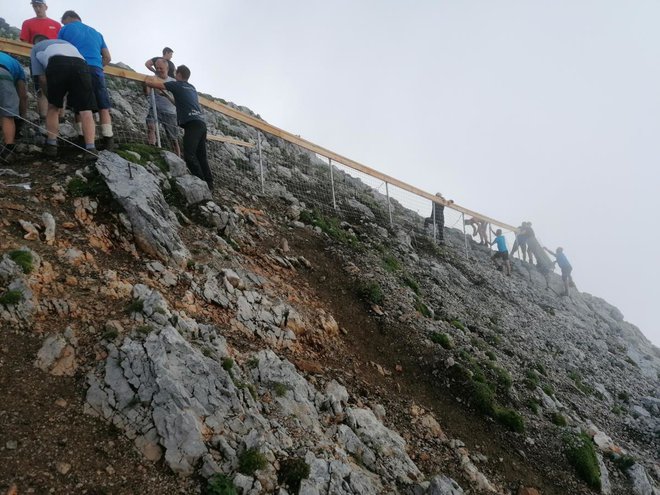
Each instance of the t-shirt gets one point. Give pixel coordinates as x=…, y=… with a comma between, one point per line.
x=39, y=25
x=12, y=65
x=87, y=40
x=187, y=102
x=163, y=104
x=501, y=244
x=171, y=68
x=44, y=50
x=562, y=261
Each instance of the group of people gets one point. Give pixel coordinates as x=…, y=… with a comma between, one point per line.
x=66, y=63
x=525, y=241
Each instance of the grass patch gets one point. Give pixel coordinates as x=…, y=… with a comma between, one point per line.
x=11, y=297
x=510, y=418
x=220, y=484
x=147, y=154
x=410, y=282
x=582, y=456
x=391, y=264
x=558, y=419
x=292, y=472
x=329, y=225
x=144, y=329
x=136, y=306
x=623, y=462
x=251, y=460
x=457, y=324
x=94, y=187
x=443, y=339
x=548, y=389
x=532, y=379
x=23, y=259
x=503, y=377
x=491, y=355
x=111, y=334
x=534, y=406
x=280, y=388
x=227, y=364
x=577, y=380
x=624, y=396
x=483, y=398
x=371, y=293
x=423, y=308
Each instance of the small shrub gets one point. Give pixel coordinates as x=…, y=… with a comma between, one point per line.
x=623, y=462
x=136, y=306
x=251, y=460
x=227, y=364
x=534, y=406
x=11, y=297
x=503, y=377
x=22, y=259
x=144, y=329
x=111, y=334
x=220, y=484
x=617, y=409
x=371, y=293
x=443, y=339
x=541, y=369
x=531, y=379
x=253, y=363
x=391, y=263
x=624, y=396
x=491, y=355
x=207, y=352
x=510, y=419
x=483, y=398
x=422, y=308
x=292, y=472
x=558, y=419
x=457, y=324
x=582, y=456
x=94, y=187
x=548, y=389
x=280, y=388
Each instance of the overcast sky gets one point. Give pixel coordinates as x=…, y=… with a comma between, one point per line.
x=543, y=111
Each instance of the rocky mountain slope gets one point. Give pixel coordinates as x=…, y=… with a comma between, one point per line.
x=157, y=338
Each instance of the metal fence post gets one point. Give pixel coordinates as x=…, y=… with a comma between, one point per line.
x=433, y=216
x=155, y=110
x=261, y=161
x=465, y=235
x=389, y=205
x=332, y=184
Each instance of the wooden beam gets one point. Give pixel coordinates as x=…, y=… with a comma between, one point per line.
x=225, y=139
x=20, y=48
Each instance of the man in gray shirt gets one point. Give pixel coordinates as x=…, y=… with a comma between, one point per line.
x=62, y=70
x=165, y=110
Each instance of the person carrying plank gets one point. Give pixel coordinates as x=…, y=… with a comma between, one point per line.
x=565, y=266
x=502, y=251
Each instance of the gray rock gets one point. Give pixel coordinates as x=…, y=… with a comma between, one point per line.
x=154, y=225
x=193, y=189
x=641, y=484
x=176, y=165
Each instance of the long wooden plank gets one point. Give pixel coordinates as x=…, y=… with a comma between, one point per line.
x=225, y=139
x=20, y=48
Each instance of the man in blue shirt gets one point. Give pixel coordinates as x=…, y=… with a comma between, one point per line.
x=565, y=266
x=13, y=100
x=92, y=47
x=189, y=116
x=502, y=251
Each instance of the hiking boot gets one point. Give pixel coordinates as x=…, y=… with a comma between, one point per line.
x=108, y=143
x=50, y=150
x=91, y=155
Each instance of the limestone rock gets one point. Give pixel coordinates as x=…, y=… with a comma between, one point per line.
x=193, y=189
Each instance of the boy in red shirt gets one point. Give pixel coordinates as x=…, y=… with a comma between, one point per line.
x=44, y=26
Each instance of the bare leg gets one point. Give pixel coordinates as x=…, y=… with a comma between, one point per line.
x=53, y=121
x=151, y=133
x=88, y=126
x=8, y=130
x=42, y=105
x=105, y=116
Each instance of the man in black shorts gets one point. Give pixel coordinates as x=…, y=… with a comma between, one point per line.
x=62, y=70
x=191, y=118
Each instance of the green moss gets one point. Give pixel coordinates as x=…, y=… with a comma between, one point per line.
x=443, y=339
x=371, y=293
x=582, y=456
x=251, y=460
x=292, y=472
x=220, y=484
x=11, y=297
x=23, y=259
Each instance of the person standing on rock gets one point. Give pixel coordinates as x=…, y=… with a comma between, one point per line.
x=437, y=219
x=479, y=227
x=13, y=101
x=92, y=47
x=565, y=266
x=41, y=25
x=165, y=110
x=502, y=251
x=167, y=55
x=62, y=70
x=191, y=119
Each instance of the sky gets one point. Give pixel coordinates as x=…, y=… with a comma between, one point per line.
x=547, y=111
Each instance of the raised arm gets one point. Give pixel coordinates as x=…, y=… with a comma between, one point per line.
x=554, y=254
x=149, y=64
x=154, y=82
x=22, y=97
x=105, y=56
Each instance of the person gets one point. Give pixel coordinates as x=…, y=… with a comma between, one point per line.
x=437, y=218
x=479, y=227
x=167, y=55
x=165, y=110
x=92, y=47
x=502, y=251
x=13, y=101
x=62, y=70
x=41, y=25
x=190, y=118
x=565, y=266
x=523, y=234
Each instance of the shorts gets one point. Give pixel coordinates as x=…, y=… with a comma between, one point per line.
x=167, y=121
x=70, y=76
x=501, y=255
x=8, y=94
x=100, y=89
x=566, y=273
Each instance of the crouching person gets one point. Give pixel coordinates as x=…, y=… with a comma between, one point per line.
x=13, y=101
x=62, y=70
